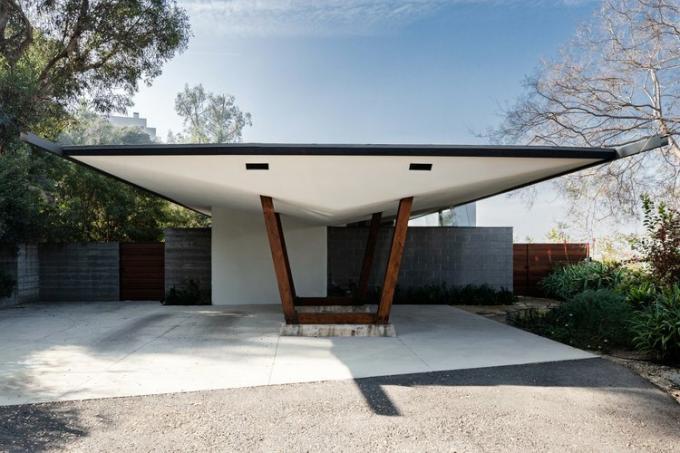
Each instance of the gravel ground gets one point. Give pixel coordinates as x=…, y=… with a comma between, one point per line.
x=583, y=405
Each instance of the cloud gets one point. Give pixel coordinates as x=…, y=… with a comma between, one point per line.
x=321, y=17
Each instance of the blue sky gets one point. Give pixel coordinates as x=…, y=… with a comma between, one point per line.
x=372, y=71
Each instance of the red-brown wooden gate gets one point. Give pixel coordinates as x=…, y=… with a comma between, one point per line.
x=142, y=271
x=533, y=262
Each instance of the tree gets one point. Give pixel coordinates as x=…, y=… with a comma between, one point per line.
x=22, y=198
x=89, y=206
x=616, y=82
x=55, y=52
x=660, y=247
x=559, y=233
x=208, y=117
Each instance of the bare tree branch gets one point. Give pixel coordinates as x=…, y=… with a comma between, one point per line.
x=617, y=81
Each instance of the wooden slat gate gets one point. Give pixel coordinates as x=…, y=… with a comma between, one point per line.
x=533, y=262
x=142, y=271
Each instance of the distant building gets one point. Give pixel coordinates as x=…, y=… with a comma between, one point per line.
x=460, y=216
x=132, y=121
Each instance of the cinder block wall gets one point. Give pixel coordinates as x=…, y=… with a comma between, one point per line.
x=187, y=257
x=8, y=265
x=28, y=273
x=79, y=272
x=21, y=263
x=433, y=255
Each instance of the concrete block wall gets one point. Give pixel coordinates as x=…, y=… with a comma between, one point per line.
x=28, y=273
x=21, y=263
x=188, y=257
x=8, y=265
x=433, y=255
x=79, y=272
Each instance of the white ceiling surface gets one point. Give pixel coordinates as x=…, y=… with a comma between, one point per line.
x=330, y=190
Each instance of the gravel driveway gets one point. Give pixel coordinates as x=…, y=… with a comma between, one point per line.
x=581, y=405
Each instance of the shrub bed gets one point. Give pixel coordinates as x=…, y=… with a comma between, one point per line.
x=7, y=284
x=449, y=295
x=593, y=319
x=610, y=305
x=566, y=282
x=454, y=295
x=657, y=327
x=190, y=293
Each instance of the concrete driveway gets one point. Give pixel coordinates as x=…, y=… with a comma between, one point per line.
x=69, y=351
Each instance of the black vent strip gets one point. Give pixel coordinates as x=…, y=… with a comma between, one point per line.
x=257, y=166
x=420, y=167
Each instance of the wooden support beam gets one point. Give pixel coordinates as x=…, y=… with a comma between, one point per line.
x=283, y=278
x=324, y=301
x=336, y=318
x=369, y=253
x=394, y=261
x=285, y=254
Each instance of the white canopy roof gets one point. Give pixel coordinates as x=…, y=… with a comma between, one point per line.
x=330, y=184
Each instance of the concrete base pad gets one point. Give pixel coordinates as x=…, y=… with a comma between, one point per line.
x=338, y=330
x=337, y=309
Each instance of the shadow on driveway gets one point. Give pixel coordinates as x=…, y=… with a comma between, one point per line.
x=595, y=373
x=39, y=427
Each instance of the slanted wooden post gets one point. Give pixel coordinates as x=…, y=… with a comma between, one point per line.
x=280, y=258
x=369, y=253
x=394, y=261
x=285, y=255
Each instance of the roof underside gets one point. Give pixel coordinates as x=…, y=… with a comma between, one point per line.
x=332, y=184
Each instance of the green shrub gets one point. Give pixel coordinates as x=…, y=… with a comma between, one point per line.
x=657, y=328
x=640, y=294
x=594, y=319
x=565, y=282
x=480, y=295
x=7, y=284
x=449, y=295
x=190, y=293
x=660, y=247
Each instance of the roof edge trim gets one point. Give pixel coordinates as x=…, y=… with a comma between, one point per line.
x=47, y=145
x=645, y=144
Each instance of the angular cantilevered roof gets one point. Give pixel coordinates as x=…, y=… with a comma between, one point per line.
x=334, y=184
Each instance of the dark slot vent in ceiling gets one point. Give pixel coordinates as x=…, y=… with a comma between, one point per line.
x=256, y=166
x=420, y=167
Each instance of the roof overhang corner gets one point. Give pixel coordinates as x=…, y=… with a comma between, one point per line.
x=640, y=146
x=47, y=145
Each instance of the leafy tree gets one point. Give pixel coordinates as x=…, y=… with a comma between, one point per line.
x=23, y=186
x=54, y=52
x=89, y=206
x=617, y=81
x=660, y=247
x=208, y=117
x=559, y=233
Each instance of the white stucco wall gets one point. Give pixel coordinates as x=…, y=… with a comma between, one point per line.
x=242, y=269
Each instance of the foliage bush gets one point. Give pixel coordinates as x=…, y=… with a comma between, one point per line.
x=593, y=319
x=656, y=329
x=190, y=293
x=661, y=246
x=610, y=305
x=454, y=295
x=7, y=284
x=639, y=289
x=565, y=282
